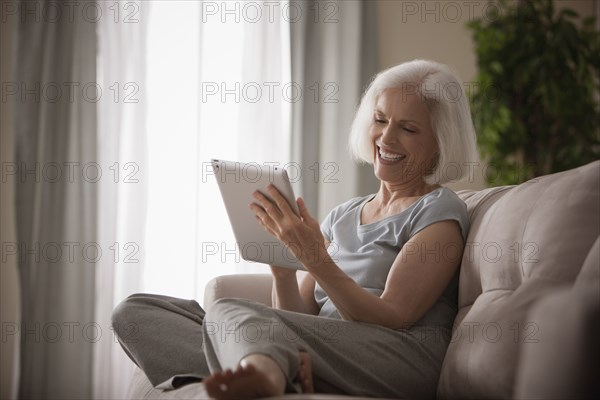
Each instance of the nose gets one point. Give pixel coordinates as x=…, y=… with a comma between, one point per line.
x=388, y=135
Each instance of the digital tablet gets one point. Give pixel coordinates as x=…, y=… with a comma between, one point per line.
x=237, y=182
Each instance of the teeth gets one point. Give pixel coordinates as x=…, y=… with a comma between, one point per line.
x=390, y=156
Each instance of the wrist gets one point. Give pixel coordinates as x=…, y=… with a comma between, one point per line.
x=283, y=274
x=320, y=262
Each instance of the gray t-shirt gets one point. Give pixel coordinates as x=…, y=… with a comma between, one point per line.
x=367, y=252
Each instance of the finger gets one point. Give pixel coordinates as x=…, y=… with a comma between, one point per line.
x=266, y=227
x=258, y=195
x=304, y=213
x=281, y=201
x=255, y=207
x=263, y=218
x=262, y=199
x=259, y=212
x=269, y=206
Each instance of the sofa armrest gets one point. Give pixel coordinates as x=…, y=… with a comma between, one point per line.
x=255, y=287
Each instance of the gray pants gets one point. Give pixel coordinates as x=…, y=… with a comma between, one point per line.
x=173, y=341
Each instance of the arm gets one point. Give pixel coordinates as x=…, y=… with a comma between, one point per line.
x=415, y=282
x=288, y=295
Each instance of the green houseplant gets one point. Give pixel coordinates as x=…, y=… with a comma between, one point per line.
x=536, y=107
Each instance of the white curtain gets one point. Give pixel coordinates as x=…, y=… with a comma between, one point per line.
x=193, y=86
x=122, y=193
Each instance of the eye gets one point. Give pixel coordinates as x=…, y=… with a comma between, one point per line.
x=409, y=130
x=379, y=120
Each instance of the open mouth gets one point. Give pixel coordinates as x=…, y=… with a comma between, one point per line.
x=389, y=157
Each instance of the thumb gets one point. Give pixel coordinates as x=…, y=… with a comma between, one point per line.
x=302, y=208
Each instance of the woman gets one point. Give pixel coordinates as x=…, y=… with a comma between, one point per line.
x=373, y=314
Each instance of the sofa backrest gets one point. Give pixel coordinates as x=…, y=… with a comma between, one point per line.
x=525, y=241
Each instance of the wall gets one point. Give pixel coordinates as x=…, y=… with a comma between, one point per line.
x=9, y=286
x=436, y=30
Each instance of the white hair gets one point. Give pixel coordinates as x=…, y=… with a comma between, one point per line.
x=449, y=113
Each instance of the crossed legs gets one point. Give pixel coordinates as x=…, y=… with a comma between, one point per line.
x=155, y=328
x=174, y=342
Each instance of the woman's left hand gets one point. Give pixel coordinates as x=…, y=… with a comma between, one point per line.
x=301, y=233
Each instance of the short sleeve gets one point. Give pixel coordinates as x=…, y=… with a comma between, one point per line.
x=326, y=226
x=441, y=205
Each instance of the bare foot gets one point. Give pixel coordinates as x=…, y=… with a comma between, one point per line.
x=244, y=383
x=304, y=375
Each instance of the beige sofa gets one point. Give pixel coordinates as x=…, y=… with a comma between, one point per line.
x=529, y=297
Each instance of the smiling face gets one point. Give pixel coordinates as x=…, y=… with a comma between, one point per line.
x=404, y=144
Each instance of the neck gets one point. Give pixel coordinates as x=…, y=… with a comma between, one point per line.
x=390, y=192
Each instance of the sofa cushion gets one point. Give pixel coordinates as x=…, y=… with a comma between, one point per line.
x=141, y=389
x=564, y=360
x=590, y=272
x=525, y=242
